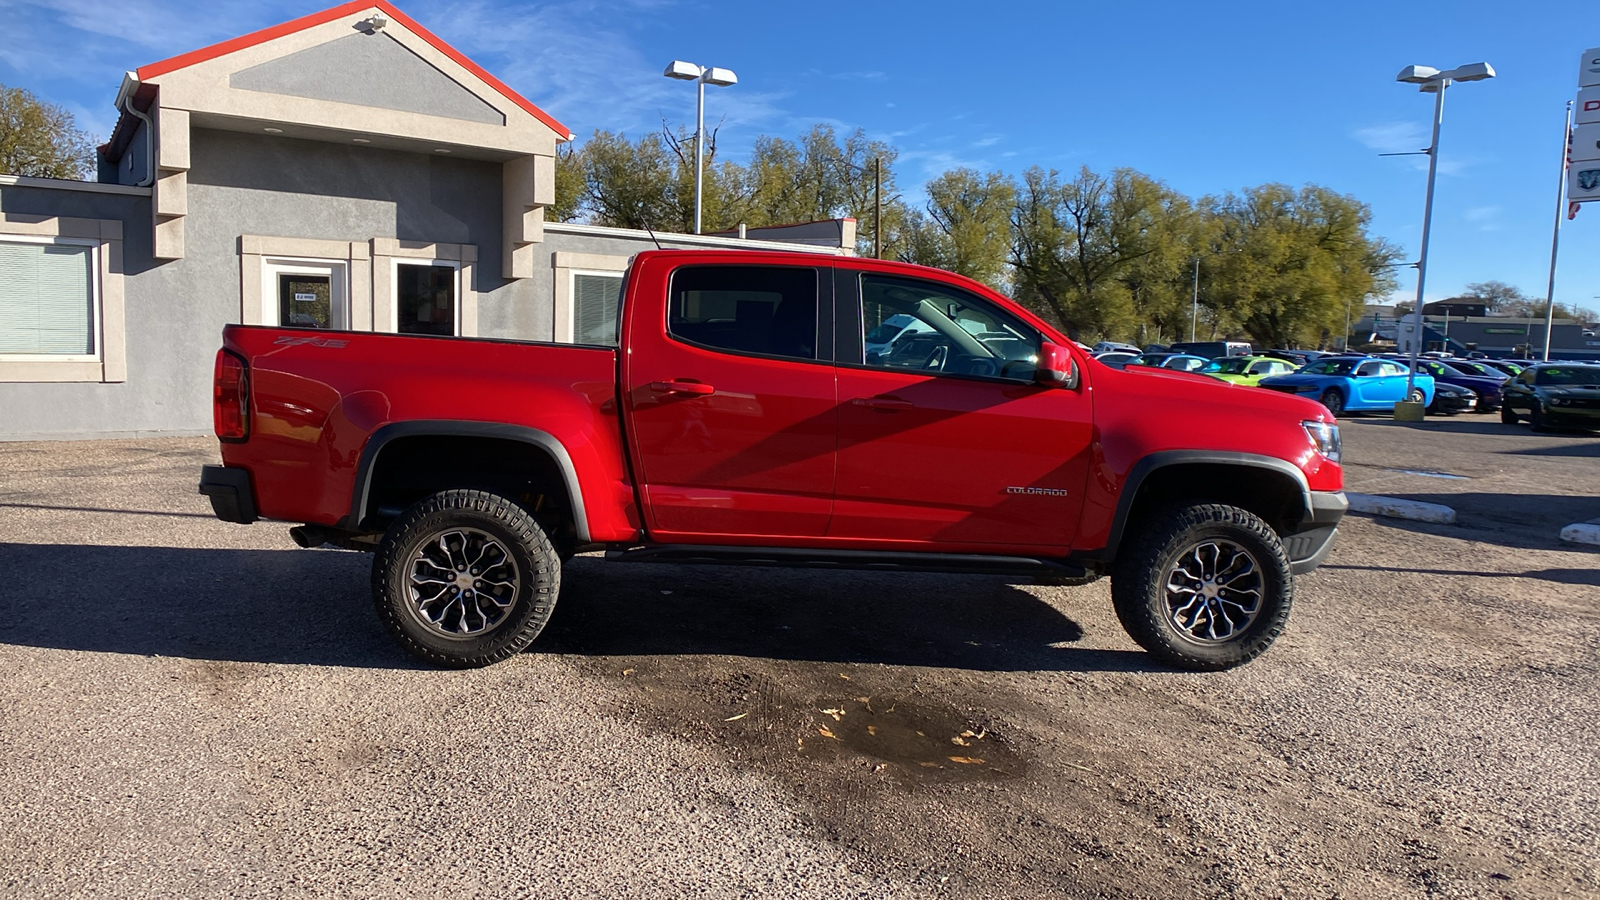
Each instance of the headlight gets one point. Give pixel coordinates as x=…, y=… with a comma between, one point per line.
x=1324, y=437
x=1557, y=401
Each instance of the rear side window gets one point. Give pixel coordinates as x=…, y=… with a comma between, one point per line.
x=762, y=310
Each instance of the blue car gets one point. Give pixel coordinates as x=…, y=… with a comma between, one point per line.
x=1353, y=384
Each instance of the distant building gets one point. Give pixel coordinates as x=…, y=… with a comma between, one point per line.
x=1456, y=306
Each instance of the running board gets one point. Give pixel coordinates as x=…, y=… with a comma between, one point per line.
x=860, y=560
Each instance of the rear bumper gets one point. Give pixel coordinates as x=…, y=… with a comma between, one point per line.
x=232, y=494
x=1312, y=541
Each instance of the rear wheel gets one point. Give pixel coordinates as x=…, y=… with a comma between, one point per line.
x=1206, y=586
x=465, y=579
x=1417, y=396
x=1333, y=400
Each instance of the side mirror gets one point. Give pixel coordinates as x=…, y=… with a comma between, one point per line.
x=1056, y=367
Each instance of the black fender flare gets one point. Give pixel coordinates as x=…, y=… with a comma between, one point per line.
x=1166, y=458
x=362, y=492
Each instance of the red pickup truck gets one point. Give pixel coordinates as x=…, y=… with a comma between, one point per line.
x=741, y=419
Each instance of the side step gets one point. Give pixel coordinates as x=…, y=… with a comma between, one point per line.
x=859, y=560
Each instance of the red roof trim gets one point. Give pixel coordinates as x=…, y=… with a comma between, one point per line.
x=204, y=54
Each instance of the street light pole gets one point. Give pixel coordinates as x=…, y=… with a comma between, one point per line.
x=1194, y=306
x=702, y=75
x=1430, y=79
x=1427, y=223
x=1555, y=236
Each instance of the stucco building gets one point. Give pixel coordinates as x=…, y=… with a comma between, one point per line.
x=346, y=170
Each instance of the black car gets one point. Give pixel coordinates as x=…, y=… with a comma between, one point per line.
x=1449, y=399
x=1566, y=394
x=1487, y=387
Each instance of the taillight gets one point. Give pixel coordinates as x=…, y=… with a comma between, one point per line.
x=230, y=398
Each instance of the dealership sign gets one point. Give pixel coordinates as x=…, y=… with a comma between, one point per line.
x=1583, y=143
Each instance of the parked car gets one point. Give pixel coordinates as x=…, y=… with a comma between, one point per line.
x=1246, y=369
x=1106, y=346
x=1183, y=362
x=1354, y=383
x=1486, y=387
x=1476, y=367
x=1116, y=359
x=1298, y=357
x=880, y=340
x=737, y=422
x=1510, y=369
x=1211, y=349
x=1449, y=399
x=1549, y=394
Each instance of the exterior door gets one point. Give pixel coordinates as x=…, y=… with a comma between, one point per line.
x=946, y=442
x=731, y=399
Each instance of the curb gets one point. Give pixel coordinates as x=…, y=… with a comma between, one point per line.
x=1415, y=510
x=1582, y=533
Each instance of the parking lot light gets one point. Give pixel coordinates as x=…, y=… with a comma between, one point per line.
x=1431, y=80
x=702, y=76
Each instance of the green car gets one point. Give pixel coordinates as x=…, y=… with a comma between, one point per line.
x=1247, y=369
x=1554, y=394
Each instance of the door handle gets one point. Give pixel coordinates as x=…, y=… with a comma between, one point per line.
x=682, y=387
x=883, y=404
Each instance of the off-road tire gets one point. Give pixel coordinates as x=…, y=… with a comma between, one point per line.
x=490, y=518
x=1333, y=400
x=1508, y=416
x=1146, y=566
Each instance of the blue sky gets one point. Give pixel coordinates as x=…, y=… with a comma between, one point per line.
x=1207, y=97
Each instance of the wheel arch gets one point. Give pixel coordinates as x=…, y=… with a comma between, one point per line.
x=549, y=461
x=1272, y=488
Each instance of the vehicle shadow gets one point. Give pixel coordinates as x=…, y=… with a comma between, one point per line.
x=1585, y=451
x=976, y=622
x=1557, y=576
x=1520, y=521
x=312, y=607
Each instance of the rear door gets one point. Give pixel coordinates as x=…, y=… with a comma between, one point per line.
x=948, y=444
x=729, y=386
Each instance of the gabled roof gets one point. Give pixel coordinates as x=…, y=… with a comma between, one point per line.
x=204, y=54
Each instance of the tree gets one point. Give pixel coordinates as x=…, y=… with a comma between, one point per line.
x=41, y=139
x=965, y=226
x=1496, y=295
x=1083, y=250
x=1290, y=264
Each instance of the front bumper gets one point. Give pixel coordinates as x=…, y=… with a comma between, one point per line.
x=1310, y=543
x=232, y=494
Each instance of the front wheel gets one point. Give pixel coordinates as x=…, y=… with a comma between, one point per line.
x=1508, y=415
x=1333, y=400
x=465, y=579
x=1205, y=587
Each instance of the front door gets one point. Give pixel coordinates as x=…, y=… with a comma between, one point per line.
x=731, y=399
x=945, y=441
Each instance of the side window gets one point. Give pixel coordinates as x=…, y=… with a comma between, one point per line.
x=1260, y=368
x=1527, y=376
x=1367, y=369
x=1390, y=369
x=908, y=323
x=763, y=310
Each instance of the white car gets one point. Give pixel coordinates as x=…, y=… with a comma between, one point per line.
x=880, y=339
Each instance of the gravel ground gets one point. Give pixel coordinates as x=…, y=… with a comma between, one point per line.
x=191, y=708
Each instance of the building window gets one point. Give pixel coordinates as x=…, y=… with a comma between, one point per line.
x=49, y=298
x=596, y=298
x=305, y=293
x=426, y=297
x=61, y=299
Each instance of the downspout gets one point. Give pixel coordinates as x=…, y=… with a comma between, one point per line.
x=130, y=84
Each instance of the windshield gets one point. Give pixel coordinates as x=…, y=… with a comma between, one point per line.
x=1472, y=368
x=1439, y=368
x=1574, y=375
x=885, y=333
x=1232, y=365
x=1331, y=367
x=1148, y=359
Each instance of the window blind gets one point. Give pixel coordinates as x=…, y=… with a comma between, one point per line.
x=594, y=308
x=46, y=299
